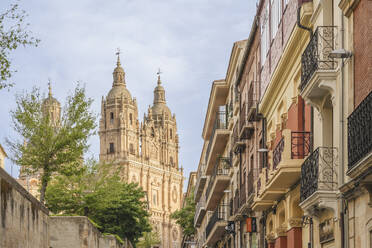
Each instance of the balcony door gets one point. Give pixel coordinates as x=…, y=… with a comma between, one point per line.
x=327, y=123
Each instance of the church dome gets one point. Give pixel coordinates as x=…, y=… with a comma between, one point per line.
x=118, y=92
x=159, y=108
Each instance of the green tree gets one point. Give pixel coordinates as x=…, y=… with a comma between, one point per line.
x=185, y=216
x=13, y=33
x=148, y=240
x=45, y=147
x=97, y=192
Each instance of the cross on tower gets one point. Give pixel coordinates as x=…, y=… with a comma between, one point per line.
x=49, y=87
x=158, y=73
x=118, y=51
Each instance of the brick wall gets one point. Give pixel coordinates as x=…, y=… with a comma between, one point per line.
x=24, y=220
x=362, y=50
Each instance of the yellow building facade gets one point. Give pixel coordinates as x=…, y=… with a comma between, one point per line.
x=303, y=153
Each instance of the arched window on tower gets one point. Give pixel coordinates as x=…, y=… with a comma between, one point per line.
x=130, y=118
x=171, y=133
x=112, y=148
x=131, y=148
x=171, y=162
x=111, y=118
x=155, y=198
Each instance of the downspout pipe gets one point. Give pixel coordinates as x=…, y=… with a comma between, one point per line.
x=343, y=222
x=299, y=22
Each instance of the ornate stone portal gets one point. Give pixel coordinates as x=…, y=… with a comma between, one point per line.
x=145, y=153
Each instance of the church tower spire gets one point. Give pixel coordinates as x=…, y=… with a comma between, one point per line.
x=118, y=74
x=159, y=92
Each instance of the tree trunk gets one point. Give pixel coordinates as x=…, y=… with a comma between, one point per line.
x=44, y=184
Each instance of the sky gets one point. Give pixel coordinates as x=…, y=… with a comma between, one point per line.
x=190, y=40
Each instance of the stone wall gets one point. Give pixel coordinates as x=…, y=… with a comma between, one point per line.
x=24, y=220
x=78, y=231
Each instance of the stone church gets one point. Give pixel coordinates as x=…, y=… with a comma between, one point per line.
x=144, y=152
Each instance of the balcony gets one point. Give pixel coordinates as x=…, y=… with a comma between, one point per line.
x=238, y=144
x=199, y=211
x=216, y=225
x=217, y=140
x=288, y=156
x=318, y=73
x=260, y=204
x=360, y=138
x=201, y=179
x=218, y=182
x=319, y=179
x=246, y=126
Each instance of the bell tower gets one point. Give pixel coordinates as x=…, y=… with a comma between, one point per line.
x=119, y=126
x=159, y=131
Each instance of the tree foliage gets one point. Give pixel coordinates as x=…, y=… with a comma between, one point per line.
x=116, y=207
x=13, y=33
x=47, y=148
x=185, y=216
x=148, y=240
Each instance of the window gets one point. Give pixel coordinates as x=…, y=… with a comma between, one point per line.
x=130, y=118
x=131, y=148
x=252, y=162
x=171, y=160
x=152, y=132
x=170, y=133
x=155, y=198
x=111, y=117
x=275, y=16
x=112, y=149
x=265, y=40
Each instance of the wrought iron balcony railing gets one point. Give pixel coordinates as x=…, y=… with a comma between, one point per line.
x=220, y=214
x=316, y=55
x=301, y=144
x=319, y=172
x=277, y=153
x=360, y=132
x=222, y=168
x=220, y=122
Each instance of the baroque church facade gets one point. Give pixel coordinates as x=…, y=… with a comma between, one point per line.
x=144, y=152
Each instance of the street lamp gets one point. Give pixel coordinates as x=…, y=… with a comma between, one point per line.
x=340, y=54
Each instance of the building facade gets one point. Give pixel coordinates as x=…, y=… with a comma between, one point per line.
x=144, y=152
x=296, y=152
